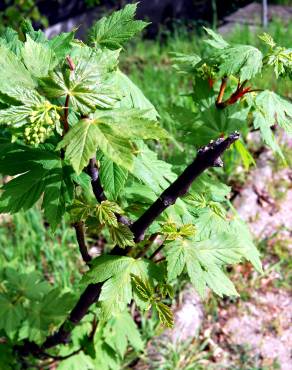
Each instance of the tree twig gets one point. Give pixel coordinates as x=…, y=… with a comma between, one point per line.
x=156, y=251
x=240, y=91
x=222, y=90
x=97, y=188
x=80, y=236
x=147, y=245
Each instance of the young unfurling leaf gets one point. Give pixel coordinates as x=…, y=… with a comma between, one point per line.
x=165, y=314
x=106, y=213
x=143, y=288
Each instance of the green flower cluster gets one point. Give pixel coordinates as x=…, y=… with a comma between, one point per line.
x=43, y=120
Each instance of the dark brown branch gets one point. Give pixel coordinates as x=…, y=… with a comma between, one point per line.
x=61, y=358
x=93, y=172
x=87, y=298
x=160, y=260
x=80, y=235
x=209, y=156
x=66, y=114
x=156, y=251
x=147, y=245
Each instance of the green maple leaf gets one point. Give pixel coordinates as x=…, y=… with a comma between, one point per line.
x=83, y=140
x=105, y=213
x=106, y=357
x=27, y=29
x=38, y=58
x=153, y=172
x=132, y=123
x=111, y=132
x=268, y=137
x=185, y=63
x=9, y=38
x=165, y=314
x=211, y=219
x=274, y=109
x=112, y=176
x=113, y=31
x=246, y=156
x=118, y=338
x=204, y=260
x=243, y=61
x=278, y=57
x=133, y=97
x=27, y=284
x=216, y=40
x=271, y=108
x=40, y=171
x=7, y=358
x=117, y=273
x=77, y=362
x=45, y=315
x=209, y=123
x=34, y=111
x=122, y=236
x=88, y=85
x=12, y=72
x=61, y=44
x=11, y=315
x=143, y=288
x=200, y=271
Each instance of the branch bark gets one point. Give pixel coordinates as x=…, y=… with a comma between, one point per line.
x=80, y=236
x=97, y=188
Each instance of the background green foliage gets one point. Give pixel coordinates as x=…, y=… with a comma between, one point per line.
x=17, y=10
